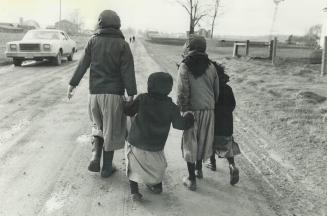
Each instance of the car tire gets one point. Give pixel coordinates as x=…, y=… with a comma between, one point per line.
x=71, y=56
x=57, y=59
x=17, y=62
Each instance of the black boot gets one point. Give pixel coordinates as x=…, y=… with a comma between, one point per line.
x=198, y=169
x=107, y=168
x=212, y=164
x=135, y=194
x=97, y=144
x=234, y=172
x=190, y=181
x=156, y=189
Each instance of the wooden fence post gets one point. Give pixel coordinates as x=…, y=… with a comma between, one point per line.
x=324, y=58
x=271, y=44
x=247, y=47
x=235, y=51
x=274, y=53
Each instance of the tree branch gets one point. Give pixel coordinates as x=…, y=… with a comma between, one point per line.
x=197, y=19
x=184, y=6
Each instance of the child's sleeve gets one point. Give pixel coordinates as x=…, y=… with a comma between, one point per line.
x=232, y=99
x=216, y=88
x=181, y=122
x=83, y=65
x=183, y=88
x=132, y=107
x=127, y=70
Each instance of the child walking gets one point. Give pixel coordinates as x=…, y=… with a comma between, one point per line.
x=154, y=113
x=112, y=73
x=224, y=145
x=197, y=91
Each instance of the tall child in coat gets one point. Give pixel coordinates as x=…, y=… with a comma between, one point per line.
x=111, y=64
x=224, y=145
x=154, y=113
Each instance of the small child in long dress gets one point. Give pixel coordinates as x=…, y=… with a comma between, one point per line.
x=224, y=145
x=154, y=113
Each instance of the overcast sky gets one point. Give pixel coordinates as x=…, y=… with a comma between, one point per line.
x=240, y=17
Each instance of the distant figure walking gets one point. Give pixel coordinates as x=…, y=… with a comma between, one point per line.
x=111, y=73
x=133, y=38
x=197, y=91
x=146, y=161
x=224, y=145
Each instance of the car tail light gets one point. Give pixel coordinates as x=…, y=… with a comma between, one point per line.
x=13, y=47
x=46, y=46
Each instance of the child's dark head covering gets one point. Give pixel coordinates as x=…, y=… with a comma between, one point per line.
x=223, y=77
x=195, y=56
x=197, y=43
x=160, y=83
x=108, y=19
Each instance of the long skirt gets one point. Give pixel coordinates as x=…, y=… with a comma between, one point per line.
x=225, y=146
x=108, y=120
x=197, y=141
x=145, y=166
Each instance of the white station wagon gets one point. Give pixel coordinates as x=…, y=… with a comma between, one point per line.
x=42, y=44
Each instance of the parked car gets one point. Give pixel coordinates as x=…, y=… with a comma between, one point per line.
x=38, y=45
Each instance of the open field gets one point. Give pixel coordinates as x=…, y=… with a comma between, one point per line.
x=6, y=37
x=281, y=124
x=293, y=54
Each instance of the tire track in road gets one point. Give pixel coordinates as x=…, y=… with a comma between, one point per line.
x=32, y=85
x=36, y=156
x=30, y=105
x=287, y=195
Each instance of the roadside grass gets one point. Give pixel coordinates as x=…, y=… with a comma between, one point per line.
x=81, y=40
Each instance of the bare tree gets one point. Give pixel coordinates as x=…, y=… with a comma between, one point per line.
x=195, y=12
x=77, y=19
x=215, y=13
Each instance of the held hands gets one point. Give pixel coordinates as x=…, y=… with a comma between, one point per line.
x=189, y=115
x=128, y=98
x=70, y=92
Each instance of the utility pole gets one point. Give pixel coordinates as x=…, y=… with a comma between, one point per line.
x=59, y=15
x=324, y=58
x=272, y=28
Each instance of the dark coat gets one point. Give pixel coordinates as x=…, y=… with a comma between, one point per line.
x=155, y=114
x=111, y=64
x=224, y=111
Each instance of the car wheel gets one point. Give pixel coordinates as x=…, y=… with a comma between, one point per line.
x=17, y=62
x=57, y=59
x=71, y=56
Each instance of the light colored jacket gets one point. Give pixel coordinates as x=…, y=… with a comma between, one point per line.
x=199, y=93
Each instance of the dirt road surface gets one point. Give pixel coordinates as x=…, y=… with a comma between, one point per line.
x=45, y=149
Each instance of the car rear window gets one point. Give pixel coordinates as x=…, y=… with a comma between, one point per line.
x=45, y=35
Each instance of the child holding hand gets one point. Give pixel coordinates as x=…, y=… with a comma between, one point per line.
x=154, y=113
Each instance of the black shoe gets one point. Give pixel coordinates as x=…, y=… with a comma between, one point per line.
x=105, y=173
x=136, y=197
x=97, y=144
x=212, y=166
x=199, y=174
x=190, y=184
x=234, y=174
x=108, y=168
x=156, y=189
